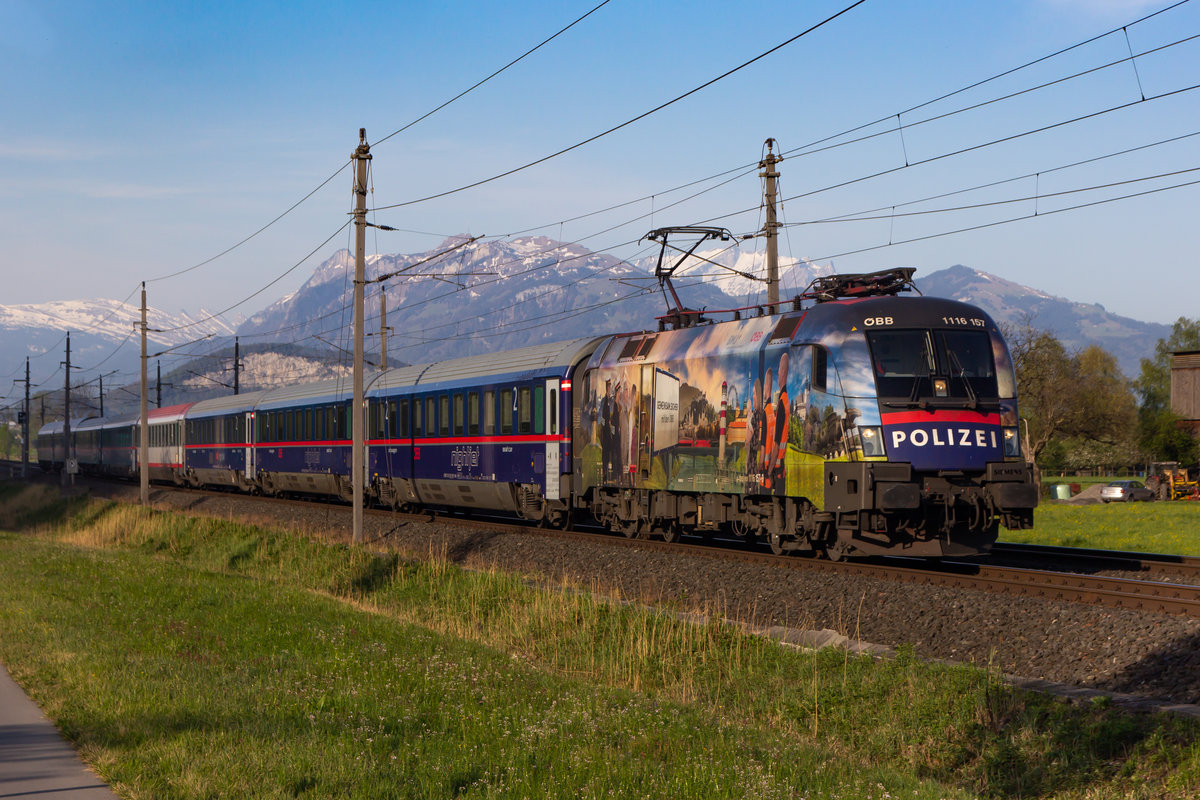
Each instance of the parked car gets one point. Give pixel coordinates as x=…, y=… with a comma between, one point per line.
x=1125, y=491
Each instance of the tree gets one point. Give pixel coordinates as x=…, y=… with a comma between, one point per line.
x=1082, y=397
x=1158, y=427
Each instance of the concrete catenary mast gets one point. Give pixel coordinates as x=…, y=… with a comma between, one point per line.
x=771, y=226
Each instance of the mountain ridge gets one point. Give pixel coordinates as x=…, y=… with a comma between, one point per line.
x=501, y=294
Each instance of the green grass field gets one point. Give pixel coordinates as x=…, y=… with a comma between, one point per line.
x=203, y=658
x=1160, y=527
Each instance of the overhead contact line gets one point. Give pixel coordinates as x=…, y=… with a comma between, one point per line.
x=629, y=122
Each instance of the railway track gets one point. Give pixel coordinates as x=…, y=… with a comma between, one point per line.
x=1071, y=581
x=1087, y=560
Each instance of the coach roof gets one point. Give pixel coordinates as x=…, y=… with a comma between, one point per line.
x=554, y=358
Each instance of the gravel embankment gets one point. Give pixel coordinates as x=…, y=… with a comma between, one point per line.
x=1120, y=651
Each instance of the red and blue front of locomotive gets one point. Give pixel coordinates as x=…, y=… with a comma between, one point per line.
x=948, y=439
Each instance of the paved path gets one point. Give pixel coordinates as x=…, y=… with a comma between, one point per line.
x=36, y=762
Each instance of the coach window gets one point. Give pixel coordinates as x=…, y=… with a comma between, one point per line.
x=430, y=417
x=553, y=412
x=393, y=419
x=524, y=415
x=308, y=424
x=506, y=410
x=418, y=424
x=404, y=419
x=374, y=421
x=444, y=415
x=489, y=413
x=539, y=409
x=473, y=413
x=459, y=416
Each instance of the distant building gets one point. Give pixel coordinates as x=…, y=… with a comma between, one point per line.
x=1185, y=388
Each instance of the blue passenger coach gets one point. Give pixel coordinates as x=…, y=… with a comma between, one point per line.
x=302, y=439
x=220, y=441
x=491, y=432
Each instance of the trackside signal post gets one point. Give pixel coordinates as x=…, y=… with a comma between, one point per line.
x=361, y=156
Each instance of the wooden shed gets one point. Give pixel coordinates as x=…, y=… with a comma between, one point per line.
x=1185, y=388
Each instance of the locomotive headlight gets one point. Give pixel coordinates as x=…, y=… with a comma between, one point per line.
x=940, y=388
x=1012, y=442
x=872, y=440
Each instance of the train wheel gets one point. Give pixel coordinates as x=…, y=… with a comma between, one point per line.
x=775, y=539
x=669, y=530
x=837, y=550
x=559, y=520
x=632, y=528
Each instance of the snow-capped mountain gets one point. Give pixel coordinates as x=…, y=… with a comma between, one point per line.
x=467, y=297
x=102, y=331
x=1076, y=325
x=114, y=320
x=478, y=297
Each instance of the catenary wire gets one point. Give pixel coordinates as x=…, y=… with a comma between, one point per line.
x=629, y=122
x=519, y=58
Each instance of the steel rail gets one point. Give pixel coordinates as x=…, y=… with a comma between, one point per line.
x=1120, y=593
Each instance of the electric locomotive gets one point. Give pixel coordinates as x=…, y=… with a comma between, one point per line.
x=868, y=423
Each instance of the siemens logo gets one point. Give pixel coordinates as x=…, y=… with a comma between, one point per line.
x=946, y=437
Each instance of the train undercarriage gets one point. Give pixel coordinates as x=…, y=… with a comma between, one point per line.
x=871, y=508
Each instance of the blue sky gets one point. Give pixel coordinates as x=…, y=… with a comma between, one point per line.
x=143, y=138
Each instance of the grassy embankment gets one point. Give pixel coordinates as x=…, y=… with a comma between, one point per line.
x=201, y=658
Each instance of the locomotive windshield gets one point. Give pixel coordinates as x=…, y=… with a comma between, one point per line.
x=933, y=363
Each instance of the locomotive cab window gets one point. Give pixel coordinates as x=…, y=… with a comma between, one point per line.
x=933, y=363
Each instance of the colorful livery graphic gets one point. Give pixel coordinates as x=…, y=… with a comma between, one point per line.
x=867, y=423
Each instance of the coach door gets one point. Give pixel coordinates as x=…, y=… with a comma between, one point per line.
x=553, y=470
x=250, y=445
